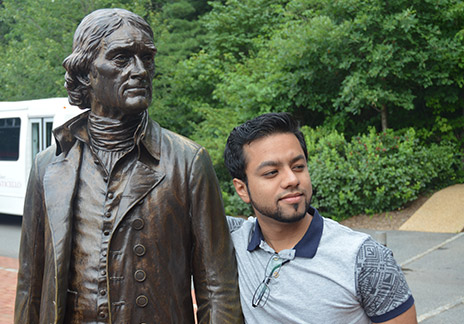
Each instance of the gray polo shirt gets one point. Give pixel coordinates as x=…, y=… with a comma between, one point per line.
x=334, y=275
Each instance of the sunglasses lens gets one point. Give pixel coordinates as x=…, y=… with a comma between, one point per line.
x=272, y=271
x=261, y=295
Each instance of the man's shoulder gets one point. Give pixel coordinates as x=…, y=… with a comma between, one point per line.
x=239, y=223
x=241, y=231
x=340, y=231
x=339, y=239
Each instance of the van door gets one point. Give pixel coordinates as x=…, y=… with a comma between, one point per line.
x=41, y=134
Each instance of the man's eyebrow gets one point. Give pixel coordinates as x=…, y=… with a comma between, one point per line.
x=118, y=46
x=297, y=158
x=267, y=164
x=151, y=47
x=275, y=163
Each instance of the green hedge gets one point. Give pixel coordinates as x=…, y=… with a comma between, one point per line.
x=375, y=172
x=371, y=173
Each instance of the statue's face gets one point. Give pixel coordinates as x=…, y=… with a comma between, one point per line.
x=122, y=73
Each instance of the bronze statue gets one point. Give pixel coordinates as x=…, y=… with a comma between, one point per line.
x=120, y=214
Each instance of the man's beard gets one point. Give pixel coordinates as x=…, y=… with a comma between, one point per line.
x=277, y=213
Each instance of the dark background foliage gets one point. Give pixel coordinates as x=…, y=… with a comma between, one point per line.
x=359, y=75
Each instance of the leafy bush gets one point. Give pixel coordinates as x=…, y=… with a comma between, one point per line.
x=377, y=171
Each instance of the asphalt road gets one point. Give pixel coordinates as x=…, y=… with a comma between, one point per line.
x=10, y=233
x=432, y=262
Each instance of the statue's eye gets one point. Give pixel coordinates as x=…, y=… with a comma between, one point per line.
x=148, y=60
x=121, y=59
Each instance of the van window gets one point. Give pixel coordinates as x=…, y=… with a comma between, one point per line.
x=9, y=139
x=41, y=134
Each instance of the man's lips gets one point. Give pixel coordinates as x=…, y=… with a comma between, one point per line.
x=136, y=90
x=292, y=198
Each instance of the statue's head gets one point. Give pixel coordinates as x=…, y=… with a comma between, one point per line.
x=111, y=66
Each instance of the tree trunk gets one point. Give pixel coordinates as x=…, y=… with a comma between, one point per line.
x=383, y=116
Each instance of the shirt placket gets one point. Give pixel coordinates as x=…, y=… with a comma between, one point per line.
x=109, y=214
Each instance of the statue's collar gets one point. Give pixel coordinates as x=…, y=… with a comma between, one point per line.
x=149, y=134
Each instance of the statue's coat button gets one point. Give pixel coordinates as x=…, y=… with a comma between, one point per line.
x=141, y=301
x=139, y=249
x=140, y=275
x=138, y=224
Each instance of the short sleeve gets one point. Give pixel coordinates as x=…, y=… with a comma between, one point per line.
x=380, y=284
x=234, y=223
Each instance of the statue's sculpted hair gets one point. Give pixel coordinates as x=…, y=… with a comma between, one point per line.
x=95, y=27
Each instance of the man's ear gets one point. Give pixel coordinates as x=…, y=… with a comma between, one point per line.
x=242, y=190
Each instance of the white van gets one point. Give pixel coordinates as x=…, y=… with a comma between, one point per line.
x=26, y=129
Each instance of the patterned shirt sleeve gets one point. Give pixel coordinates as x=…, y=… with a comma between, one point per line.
x=380, y=284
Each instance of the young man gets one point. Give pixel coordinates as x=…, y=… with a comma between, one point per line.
x=294, y=265
x=121, y=212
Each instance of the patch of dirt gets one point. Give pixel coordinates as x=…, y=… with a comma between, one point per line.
x=385, y=221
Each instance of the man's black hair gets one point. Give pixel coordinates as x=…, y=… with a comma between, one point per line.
x=261, y=126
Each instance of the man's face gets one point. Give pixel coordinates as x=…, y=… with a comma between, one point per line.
x=122, y=73
x=279, y=186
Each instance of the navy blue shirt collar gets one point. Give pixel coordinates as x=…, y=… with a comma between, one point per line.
x=307, y=246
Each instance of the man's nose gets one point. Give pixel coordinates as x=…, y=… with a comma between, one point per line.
x=290, y=179
x=138, y=69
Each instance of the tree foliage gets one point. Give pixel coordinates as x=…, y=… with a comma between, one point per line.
x=36, y=36
x=346, y=65
x=343, y=62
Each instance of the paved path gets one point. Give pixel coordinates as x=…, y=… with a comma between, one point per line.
x=8, y=272
x=443, y=212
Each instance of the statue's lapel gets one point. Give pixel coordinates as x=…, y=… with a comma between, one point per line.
x=59, y=183
x=141, y=181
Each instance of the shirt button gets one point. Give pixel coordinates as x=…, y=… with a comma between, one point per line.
x=139, y=249
x=141, y=301
x=140, y=275
x=104, y=253
x=103, y=292
x=107, y=214
x=138, y=224
x=103, y=273
x=110, y=195
x=105, y=179
x=102, y=315
x=106, y=233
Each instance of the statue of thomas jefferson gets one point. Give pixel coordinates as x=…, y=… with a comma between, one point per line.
x=120, y=214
